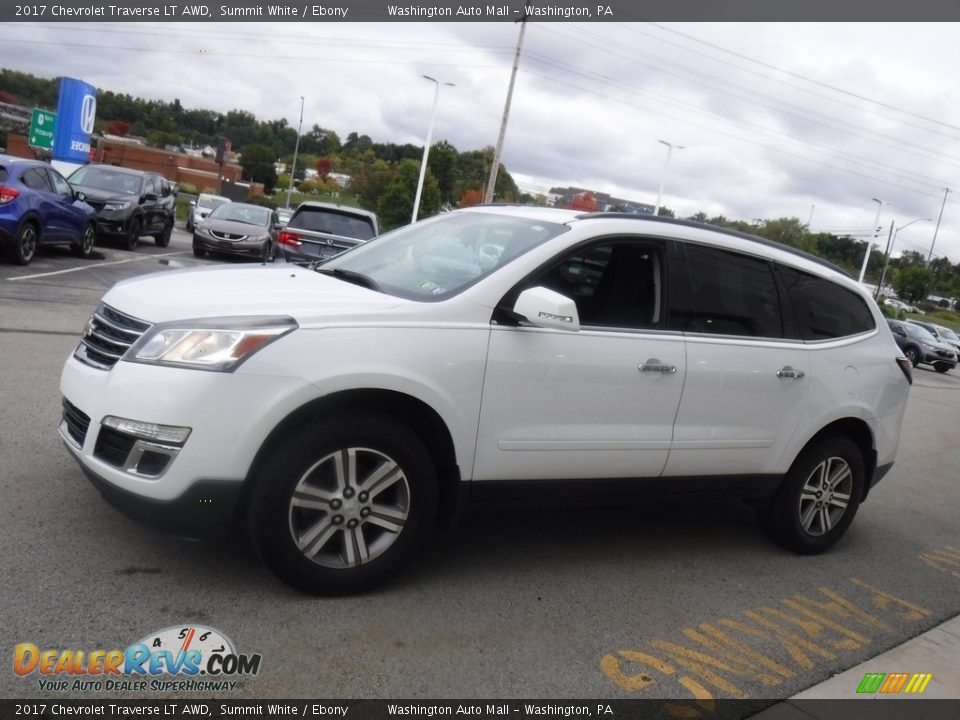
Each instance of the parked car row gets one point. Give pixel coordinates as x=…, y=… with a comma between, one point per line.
x=38, y=206
x=921, y=344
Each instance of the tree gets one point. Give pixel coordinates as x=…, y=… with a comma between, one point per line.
x=471, y=197
x=912, y=283
x=700, y=217
x=257, y=162
x=666, y=212
x=118, y=127
x=323, y=166
x=396, y=203
x=583, y=201
x=442, y=163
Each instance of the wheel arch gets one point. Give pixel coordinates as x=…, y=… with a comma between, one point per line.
x=425, y=422
x=857, y=430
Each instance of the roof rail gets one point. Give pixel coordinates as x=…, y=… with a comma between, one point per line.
x=726, y=231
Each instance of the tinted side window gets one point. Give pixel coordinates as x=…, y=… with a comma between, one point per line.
x=151, y=185
x=60, y=186
x=824, y=309
x=615, y=284
x=36, y=179
x=733, y=294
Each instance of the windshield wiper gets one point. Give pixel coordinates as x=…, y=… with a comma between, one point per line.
x=350, y=276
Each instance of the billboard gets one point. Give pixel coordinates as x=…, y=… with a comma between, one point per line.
x=76, y=111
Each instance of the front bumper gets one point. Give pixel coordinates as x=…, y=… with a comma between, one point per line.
x=229, y=416
x=245, y=248
x=931, y=358
x=207, y=509
x=115, y=223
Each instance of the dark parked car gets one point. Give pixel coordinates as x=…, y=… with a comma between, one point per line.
x=237, y=229
x=922, y=347
x=38, y=207
x=317, y=231
x=943, y=334
x=129, y=203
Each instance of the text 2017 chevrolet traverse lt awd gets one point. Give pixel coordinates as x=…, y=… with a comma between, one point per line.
x=340, y=411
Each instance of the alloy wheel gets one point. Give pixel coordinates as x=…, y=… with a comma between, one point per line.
x=825, y=496
x=349, y=507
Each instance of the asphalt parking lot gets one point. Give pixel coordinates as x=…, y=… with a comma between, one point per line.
x=672, y=599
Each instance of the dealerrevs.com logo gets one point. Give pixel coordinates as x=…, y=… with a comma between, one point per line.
x=189, y=658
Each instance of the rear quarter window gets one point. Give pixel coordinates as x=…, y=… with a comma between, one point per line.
x=3, y=174
x=333, y=222
x=823, y=309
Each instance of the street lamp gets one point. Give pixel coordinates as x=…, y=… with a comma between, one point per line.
x=876, y=229
x=663, y=175
x=296, y=148
x=889, y=251
x=426, y=147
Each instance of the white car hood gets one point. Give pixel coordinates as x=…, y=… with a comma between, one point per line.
x=288, y=290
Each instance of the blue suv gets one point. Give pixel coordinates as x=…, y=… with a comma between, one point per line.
x=38, y=207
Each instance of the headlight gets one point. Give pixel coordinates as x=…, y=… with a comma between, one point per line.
x=218, y=344
x=117, y=205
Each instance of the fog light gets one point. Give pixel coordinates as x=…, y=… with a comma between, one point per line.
x=149, y=431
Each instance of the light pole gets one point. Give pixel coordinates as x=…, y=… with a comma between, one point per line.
x=889, y=251
x=663, y=174
x=946, y=191
x=426, y=147
x=876, y=229
x=296, y=148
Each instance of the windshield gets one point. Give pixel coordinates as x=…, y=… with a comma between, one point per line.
x=947, y=333
x=211, y=201
x=327, y=220
x=239, y=212
x=100, y=178
x=915, y=331
x=437, y=258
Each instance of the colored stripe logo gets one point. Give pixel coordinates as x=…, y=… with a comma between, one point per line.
x=892, y=683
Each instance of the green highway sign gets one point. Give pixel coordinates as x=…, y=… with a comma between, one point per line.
x=41, y=129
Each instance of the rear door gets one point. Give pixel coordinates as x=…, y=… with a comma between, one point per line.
x=747, y=371
x=53, y=227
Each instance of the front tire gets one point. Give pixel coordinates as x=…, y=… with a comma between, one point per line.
x=133, y=233
x=341, y=506
x=25, y=244
x=818, y=498
x=84, y=249
x=942, y=367
x=912, y=355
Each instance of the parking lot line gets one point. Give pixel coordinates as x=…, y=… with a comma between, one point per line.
x=99, y=265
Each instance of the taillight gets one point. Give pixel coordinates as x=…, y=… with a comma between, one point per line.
x=289, y=238
x=907, y=367
x=8, y=194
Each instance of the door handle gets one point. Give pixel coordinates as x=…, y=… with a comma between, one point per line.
x=789, y=372
x=654, y=365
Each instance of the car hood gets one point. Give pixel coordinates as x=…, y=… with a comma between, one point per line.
x=233, y=227
x=98, y=195
x=310, y=298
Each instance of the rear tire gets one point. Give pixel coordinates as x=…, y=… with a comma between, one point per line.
x=25, y=244
x=340, y=506
x=84, y=249
x=163, y=239
x=818, y=498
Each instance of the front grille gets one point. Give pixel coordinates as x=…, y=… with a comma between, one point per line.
x=108, y=335
x=113, y=447
x=76, y=421
x=227, y=236
x=95, y=204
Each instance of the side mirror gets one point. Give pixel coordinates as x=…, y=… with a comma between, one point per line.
x=193, y=203
x=548, y=309
x=81, y=196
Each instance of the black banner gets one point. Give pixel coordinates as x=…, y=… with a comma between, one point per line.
x=180, y=709
x=496, y=11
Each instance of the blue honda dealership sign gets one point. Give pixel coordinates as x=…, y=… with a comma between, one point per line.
x=76, y=111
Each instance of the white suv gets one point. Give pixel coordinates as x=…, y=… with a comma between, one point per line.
x=338, y=412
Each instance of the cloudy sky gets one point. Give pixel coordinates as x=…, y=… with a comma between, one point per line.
x=776, y=118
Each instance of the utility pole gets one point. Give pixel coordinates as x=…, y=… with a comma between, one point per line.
x=296, y=148
x=876, y=229
x=886, y=260
x=495, y=165
x=946, y=191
